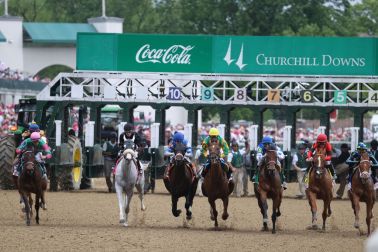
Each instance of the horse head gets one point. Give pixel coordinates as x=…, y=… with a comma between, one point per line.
x=179, y=153
x=271, y=162
x=364, y=167
x=28, y=161
x=318, y=163
x=129, y=152
x=214, y=152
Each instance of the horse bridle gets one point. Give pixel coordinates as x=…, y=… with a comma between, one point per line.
x=32, y=163
x=364, y=175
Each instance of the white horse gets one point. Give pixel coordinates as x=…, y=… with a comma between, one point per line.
x=126, y=178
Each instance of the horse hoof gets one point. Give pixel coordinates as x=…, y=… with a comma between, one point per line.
x=356, y=225
x=143, y=208
x=225, y=216
x=188, y=217
x=121, y=221
x=177, y=213
x=273, y=231
x=125, y=224
x=265, y=229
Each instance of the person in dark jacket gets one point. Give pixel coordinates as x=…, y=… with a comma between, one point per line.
x=110, y=151
x=130, y=135
x=341, y=168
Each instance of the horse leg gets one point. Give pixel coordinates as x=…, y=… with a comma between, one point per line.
x=121, y=203
x=188, y=206
x=312, y=202
x=43, y=200
x=275, y=208
x=140, y=188
x=326, y=203
x=356, y=203
x=129, y=195
x=27, y=209
x=264, y=210
x=31, y=204
x=369, y=215
x=225, y=206
x=176, y=212
x=213, y=212
x=37, y=197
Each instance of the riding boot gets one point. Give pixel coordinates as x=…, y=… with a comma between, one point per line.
x=349, y=178
x=332, y=171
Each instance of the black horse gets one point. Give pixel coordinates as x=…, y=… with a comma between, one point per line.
x=181, y=182
x=31, y=181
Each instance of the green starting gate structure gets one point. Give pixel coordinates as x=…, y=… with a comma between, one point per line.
x=196, y=71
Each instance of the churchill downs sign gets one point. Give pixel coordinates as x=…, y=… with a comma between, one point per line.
x=323, y=56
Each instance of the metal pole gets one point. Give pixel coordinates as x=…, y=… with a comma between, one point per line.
x=6, y=8
x=103, y=8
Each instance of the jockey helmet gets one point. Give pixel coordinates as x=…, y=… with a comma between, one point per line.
x=322, y=138
x=35, y=136
x=33, y=127
x=178, y=137
x=128, y=127
x=361, y=146
x=267, y=140
x=214, y=132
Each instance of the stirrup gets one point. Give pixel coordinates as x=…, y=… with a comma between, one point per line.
x=376, y=186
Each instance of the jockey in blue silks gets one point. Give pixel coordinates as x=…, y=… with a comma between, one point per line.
x=261, y=150
x=354, y=160
x=178, y=139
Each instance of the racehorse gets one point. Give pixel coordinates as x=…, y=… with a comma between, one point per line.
x=269, y=187
x=362, y=190
x=182, y=182
x=319, y=187
x=31, y=181
x=126, y=178
x=215, y=185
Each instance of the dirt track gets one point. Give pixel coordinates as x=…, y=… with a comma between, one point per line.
x=85, y=220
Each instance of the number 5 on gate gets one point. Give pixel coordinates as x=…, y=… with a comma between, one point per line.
x=207, y=94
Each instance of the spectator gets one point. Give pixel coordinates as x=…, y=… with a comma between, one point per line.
x=341, y=168
x=299, y=165
x=373, y=150
x=110, y=151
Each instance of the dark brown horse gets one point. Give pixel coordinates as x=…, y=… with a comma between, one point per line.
x=269, y=188
x=215, y=185
x=319, y=187
x=182, y=182
x=31, y=181
x=362, y=191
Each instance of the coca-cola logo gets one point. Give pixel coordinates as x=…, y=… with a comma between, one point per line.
x=176, y=54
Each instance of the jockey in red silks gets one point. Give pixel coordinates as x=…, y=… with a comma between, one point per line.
x=321, y=144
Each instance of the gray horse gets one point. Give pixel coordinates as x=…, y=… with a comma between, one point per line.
x=126, y=178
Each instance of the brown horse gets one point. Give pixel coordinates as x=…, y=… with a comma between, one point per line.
x=31, y=181
x=319, y=187
x=362, y=191
x=182, y=182
x=269, y=187
x=215, y=185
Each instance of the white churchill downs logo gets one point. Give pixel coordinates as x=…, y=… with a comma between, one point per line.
x=176, y=54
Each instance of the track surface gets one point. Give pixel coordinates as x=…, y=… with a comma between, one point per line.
x=88, y=220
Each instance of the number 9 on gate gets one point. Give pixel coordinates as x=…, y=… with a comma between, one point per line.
x=207, y=94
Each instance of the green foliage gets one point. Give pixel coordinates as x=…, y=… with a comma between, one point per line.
x=52, y=71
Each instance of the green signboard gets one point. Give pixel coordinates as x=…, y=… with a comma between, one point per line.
x=323, y=56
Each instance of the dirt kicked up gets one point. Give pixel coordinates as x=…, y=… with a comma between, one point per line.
x=88, y=221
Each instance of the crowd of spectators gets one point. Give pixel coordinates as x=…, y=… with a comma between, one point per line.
x=11, y=74
x=8, y=118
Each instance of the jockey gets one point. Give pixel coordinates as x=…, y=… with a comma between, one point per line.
x=321, y=144
x=33, y=127
x=36, y=141
x=354, y=160
x=178, y=138
x=215, y=138
x=261, y=150
x=127, y=135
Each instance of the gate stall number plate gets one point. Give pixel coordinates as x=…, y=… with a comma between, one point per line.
x=174, y=94
x=307, y=96
x=273, y=95
x=240, y=94
x=373, y=97
x=340, y=97
x=207, y=94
